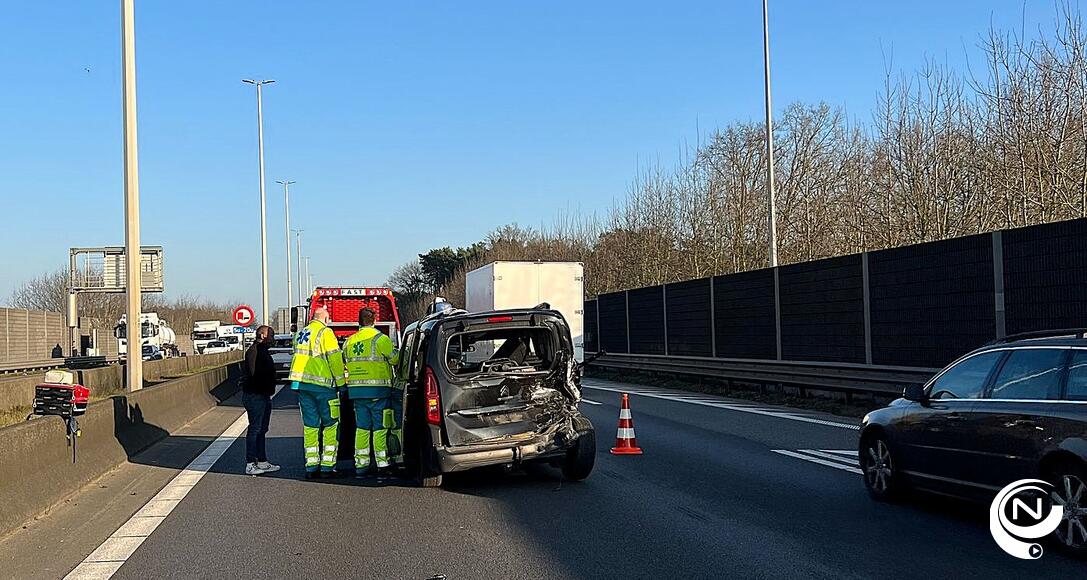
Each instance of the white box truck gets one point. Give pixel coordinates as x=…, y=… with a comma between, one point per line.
x=505, y=285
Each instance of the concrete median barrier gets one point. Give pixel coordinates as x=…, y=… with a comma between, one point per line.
x=19, y=391
x=36, y=468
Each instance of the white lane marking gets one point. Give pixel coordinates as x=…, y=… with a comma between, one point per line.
x=104, y=562
x=851, y=461
x=728, y=406
x=849, y=452
x=834, y=464
x=584, y=400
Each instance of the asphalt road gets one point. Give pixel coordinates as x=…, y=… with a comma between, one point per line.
x=724, y=489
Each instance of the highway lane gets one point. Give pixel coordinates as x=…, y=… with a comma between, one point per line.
x=709, y=498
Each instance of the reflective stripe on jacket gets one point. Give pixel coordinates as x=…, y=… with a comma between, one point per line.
x=369, y=356
x=317, y=358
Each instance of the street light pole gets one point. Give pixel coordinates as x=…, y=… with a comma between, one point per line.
x=133, y=278
x=769, y=138
x=263, y=228
x=287, y=212
x=298, y=259
x=309, y=281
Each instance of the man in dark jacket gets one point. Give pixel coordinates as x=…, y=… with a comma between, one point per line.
x=259, y=386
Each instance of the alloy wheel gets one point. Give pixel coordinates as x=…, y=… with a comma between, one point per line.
x=1071, y=493
x=878, y=467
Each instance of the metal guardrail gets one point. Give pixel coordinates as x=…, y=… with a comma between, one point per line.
x=87, y=362
x=847, y=378
x=74, y=362
x=31, y=366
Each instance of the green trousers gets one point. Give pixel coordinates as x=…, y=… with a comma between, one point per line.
x=320, y=423
x=373, y=420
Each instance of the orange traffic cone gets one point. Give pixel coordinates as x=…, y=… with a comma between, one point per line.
x=625, y=442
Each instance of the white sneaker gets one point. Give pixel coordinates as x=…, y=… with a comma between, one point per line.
x=253, y=469
x=267, y=467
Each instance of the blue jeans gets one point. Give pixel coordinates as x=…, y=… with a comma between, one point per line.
x=259, y=409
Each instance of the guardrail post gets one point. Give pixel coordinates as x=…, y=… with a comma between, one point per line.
x=713, y=322
x=777, y=311
x=626, y=307
x=998, y=284
x=664, y=301
x=867, y=310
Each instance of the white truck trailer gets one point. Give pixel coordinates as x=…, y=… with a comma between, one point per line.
x=504, y=285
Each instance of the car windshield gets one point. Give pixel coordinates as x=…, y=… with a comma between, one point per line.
x=216, y=344
x=283, y=342
x=501, y=351
x=148, y=349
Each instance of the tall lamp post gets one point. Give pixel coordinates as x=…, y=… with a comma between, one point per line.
x=287, y=229
x=298, y=257
x=133, y=278
x=263, y=228
x=309, y=281
x=769, y=137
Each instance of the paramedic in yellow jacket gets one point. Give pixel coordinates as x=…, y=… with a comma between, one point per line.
x=317, y=372
x=370, y=357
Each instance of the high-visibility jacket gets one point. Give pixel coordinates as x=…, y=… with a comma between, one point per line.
x=317, y=357
x=370, y=356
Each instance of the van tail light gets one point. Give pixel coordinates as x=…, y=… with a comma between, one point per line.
x=500, y=319
x=433, y=399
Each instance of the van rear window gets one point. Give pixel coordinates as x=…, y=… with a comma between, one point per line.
x=501, y=351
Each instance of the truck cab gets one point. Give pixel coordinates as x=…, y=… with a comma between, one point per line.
x=343, y=304
x=153, y=331
x=203, y=332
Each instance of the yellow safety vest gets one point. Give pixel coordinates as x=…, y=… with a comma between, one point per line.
x=370, y=356
x=317, y=358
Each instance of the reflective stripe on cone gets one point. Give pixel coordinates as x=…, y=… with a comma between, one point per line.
x=625, y=442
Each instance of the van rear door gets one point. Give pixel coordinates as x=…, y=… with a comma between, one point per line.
x=503, y=378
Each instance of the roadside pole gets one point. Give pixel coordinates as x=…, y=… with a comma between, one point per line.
x=133, y=278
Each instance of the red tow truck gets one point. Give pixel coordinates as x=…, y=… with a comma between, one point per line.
x=343, y=304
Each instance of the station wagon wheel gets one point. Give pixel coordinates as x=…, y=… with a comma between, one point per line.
x=878, y=468
x=1070, y=491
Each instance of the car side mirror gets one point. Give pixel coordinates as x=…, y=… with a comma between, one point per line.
x=915, y=393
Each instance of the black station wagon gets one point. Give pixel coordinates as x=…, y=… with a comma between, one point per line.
x=1014, y=409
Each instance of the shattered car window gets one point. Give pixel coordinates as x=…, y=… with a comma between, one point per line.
x=508, y=350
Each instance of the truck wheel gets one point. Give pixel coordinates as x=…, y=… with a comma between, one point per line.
x=581, y=457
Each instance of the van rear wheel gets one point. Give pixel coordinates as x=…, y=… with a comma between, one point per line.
x=427, y=477
x=580, y=458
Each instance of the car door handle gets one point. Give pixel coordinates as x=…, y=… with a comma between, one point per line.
x=1024, y=423
x=954, y=417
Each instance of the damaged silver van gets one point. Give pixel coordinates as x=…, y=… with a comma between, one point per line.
x=492, y=388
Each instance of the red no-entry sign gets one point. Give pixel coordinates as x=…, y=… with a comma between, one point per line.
x=243, y=315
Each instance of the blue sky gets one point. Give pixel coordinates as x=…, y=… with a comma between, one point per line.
x=406, y=125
